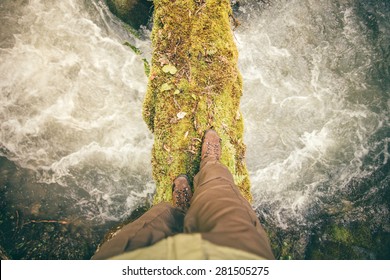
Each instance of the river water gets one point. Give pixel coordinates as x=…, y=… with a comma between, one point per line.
x=75, y=152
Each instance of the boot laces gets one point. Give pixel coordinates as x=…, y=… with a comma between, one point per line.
x=182, y=198
x=212, y=149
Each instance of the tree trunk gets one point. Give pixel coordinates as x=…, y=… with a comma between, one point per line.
x=194, y=84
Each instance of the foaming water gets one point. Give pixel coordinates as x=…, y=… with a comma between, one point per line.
x=71, y=103
x=312, y=104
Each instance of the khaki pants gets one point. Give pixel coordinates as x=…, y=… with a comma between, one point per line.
x=218, y=211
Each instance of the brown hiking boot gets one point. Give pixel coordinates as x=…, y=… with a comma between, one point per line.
x=211, y=146
x=182, y=193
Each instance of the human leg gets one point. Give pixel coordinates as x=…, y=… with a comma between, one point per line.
x=161, y=221
x=220, y=213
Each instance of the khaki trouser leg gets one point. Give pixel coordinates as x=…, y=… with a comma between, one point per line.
x=161, y=221
x=222, y=215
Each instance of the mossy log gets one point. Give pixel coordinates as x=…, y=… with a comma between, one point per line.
x=194, y=85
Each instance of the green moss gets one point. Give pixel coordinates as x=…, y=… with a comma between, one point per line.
x=137, y=51
x=195, y=38
x=146, y=67
x=341, y=234
x=133, y=48
x=135, y=32
x=338, y=241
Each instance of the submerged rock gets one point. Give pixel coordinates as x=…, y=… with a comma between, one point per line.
x=133, y=12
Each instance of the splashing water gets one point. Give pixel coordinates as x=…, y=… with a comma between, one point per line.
x=316, y=107
x=316, y=79
x=70, y=105
x=313, y=102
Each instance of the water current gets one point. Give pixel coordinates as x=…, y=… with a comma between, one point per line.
x=75, y=152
